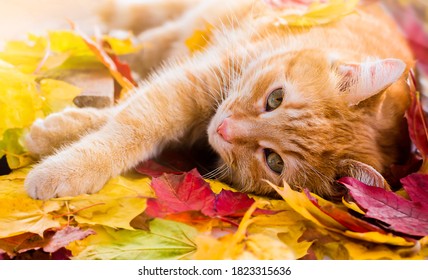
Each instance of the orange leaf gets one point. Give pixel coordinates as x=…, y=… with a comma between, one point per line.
x=103, y=51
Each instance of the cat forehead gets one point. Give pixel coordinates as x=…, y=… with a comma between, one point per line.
x=301, y=77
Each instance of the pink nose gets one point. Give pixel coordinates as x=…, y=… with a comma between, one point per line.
x=223, y=130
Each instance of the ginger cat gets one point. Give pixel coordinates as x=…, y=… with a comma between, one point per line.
x=304, y=105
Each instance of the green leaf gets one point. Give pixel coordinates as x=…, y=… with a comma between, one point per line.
x=166, y=240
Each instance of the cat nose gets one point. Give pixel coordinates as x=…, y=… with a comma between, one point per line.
x=223, y=130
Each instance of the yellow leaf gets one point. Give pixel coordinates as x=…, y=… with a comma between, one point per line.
x=256, y=238
x=217, y=186
x=34, y=54
x=319, y=13
x=11, y=145
x=199, y=39
x=301, y=204
x=57, y=94
x=364, y=251
x=20, y=102
x=377, y=237
x=122, y=46
x=287, y=226
x=19, y=213
x=352, y=206
x=68, y=41
x=118, y=202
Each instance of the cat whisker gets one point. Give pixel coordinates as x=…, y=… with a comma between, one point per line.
x=219, y=173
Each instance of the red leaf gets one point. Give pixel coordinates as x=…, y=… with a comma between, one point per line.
x=180, y=193
x=189, y=192
x=402, y=215
x=229, y=203
x=344, y=217
x=412, y=23
x=52, y=240
x=417, y=120
x=154, y=169
x=65, y=236
x=170, y=161
x=416, y=186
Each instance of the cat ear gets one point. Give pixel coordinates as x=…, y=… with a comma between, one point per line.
x=362, y=172
x=364, y=80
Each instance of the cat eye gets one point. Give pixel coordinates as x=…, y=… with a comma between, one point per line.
x=274, y=161
x=274, y=99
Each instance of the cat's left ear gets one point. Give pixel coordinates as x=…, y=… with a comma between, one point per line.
x=364, y=80
x=362, y=172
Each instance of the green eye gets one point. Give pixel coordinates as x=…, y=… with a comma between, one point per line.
x=274, y=99
x=274, y=161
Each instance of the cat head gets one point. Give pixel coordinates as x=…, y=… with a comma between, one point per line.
x=304, y=118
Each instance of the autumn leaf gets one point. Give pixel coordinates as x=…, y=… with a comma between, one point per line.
x=402, y=215
x=20, y=102
x=417, y=122
x=342, y=216
x=190, y=192
x=199, y=39
x=180, y=193
x=102, y=50
x=165, y=240
x=34, y=55
x=311, y=13
x=172, y=161
x=326, y=218
x=412, y=17
x=11, y=145
x=51, y=241
x=121, y=200
x=416, y=186
x=229, y=203
x=19, y=213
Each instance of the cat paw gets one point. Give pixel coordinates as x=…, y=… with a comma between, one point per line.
x=57, y=176
x=59, y=129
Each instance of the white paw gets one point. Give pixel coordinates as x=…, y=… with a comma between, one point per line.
x=61, y=175
x=60, y=129
x=47, y=135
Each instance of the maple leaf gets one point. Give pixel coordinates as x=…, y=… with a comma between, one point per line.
x=165, y=240
x=299, y=202
x=103, y=51
x=121, y=200
x=51, y=241
x=180, y=193
x=402, y=215
x=190, y=192
x=19, y=213
x=229, y=203
x=342, y=216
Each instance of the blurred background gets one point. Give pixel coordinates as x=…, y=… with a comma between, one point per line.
x=18, y=17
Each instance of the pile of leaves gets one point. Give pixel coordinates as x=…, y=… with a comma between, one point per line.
x=156, y=213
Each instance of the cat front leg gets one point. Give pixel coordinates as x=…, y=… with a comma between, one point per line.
x=163, y=110
x=62, y=128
